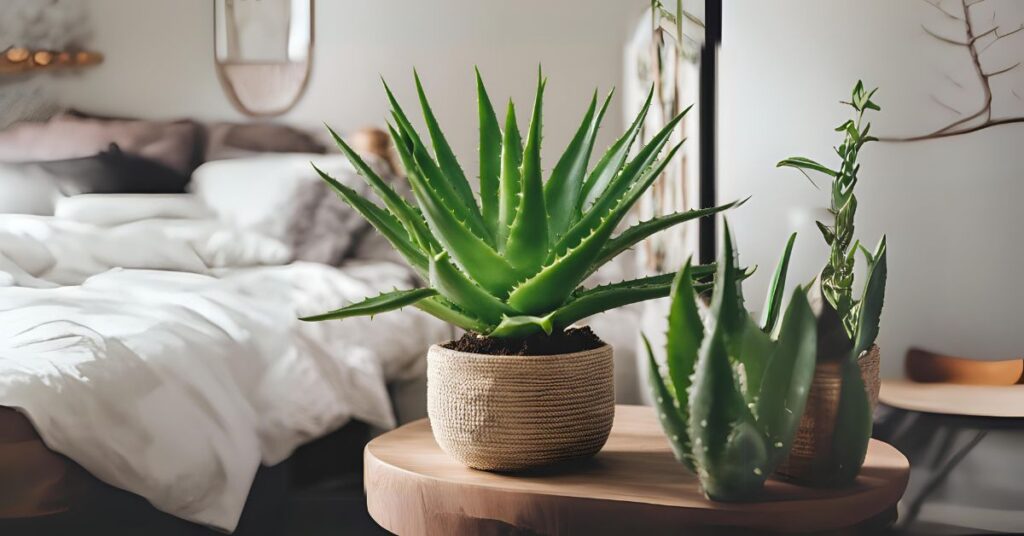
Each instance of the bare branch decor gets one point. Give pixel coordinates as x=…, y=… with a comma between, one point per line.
x=976, y=42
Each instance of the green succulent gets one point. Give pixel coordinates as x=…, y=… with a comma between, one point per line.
x=734, y=391
x=512, y=265
x=847, y=326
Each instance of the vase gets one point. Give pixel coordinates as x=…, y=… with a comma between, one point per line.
x=812, y=446
x=511, y=413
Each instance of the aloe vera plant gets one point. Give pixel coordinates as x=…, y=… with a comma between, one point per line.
x=731, y=398
x=848, y=327
x=512, y=264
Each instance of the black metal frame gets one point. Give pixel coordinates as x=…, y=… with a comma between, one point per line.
x=707, y=123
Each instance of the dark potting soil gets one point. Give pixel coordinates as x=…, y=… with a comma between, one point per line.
x=567, y=342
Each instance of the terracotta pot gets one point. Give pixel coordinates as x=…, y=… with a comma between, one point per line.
x=509, y=413
x=813, y=441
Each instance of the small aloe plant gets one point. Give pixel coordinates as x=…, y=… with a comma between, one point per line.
x=512, y=265
x=848, y=327
x=731, y=398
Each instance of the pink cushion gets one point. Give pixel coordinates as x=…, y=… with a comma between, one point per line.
x=173, y=143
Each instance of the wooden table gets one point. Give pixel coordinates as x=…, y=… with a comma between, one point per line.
x=633, y=486
x=1000, y=401
x=940, y=412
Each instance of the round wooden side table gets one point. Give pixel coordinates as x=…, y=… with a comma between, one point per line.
x=634, y=485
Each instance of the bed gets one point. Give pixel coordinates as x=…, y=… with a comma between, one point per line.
x=151, y=342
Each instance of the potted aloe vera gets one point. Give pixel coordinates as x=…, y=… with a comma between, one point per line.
x=732, y=391
x=833, y=438
x=522, y=388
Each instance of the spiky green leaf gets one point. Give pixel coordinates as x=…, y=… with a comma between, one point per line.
x=672, y=421
x=562, y=190
x=387, y=301
x=446, y=160
x=463, y=292
x=785, y=384
x=522, y=326
x=635, y=234
x=510, y=181
x=528, y=238
x=612, y=161
x=385, y=222
x=490, y=157
x=870, y=310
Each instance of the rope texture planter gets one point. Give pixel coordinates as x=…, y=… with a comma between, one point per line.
x=814, y=437
x=509, y=413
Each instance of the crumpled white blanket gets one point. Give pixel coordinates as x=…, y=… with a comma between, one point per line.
x=165, y=356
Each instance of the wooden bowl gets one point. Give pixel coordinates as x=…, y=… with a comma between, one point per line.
x=928, y=367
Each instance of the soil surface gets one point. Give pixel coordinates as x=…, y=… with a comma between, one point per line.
x=566, y=342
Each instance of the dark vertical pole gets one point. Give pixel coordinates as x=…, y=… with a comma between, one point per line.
x=708, y=122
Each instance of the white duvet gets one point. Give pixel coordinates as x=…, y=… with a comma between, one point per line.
x=165, y=356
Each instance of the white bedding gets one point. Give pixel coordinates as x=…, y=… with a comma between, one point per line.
x=165, y=356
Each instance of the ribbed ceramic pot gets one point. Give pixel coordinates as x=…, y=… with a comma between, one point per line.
x=813, y=440
x=510, y=413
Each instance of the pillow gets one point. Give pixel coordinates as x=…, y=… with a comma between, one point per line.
x=175, y=144
x=281, y=196
x=114, y=209
x=35, y=187
x=234, y=140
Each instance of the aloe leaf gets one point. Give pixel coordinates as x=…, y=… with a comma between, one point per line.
x=549, y=288
x=434, y=180
x=522, y=326
x=610, y=164
x=384, y=302
x=787, y=378
x=562, y=191
x=490, y=157
x=852, y=429
x=470, y=252
x=720, y=424
x=685, y=333
x=463, y=292
x=446, y=311
x=635, y=234
x=385, y=222
x=509, y=187
x=672, y=421
x=632, y=172
x=398, y=206
x=528, y=237
x=728, y=295
x=445, y=157
x=872, y=302
x=607, y=297
x=776, y=290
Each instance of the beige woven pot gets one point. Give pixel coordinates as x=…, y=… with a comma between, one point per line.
x=814, y=437
x=508, y=413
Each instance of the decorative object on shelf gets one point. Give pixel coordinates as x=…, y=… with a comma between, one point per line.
x=734, y=391
x=20, y=60
x=930, y=367
x=968, y=28
x=509, y=270
x=836, y=425
x=263, y=53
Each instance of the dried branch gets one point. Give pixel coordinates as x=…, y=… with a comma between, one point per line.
x=982, y=118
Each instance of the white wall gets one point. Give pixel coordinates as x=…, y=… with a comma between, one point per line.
x=951, y=207
x=159, y=61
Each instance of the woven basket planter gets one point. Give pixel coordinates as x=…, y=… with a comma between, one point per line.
x=510, y=413
x=813, y=440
